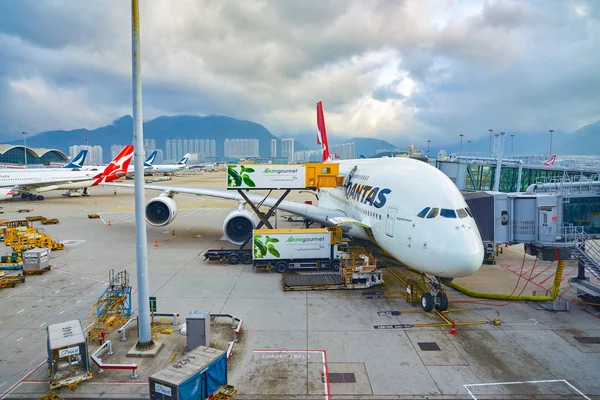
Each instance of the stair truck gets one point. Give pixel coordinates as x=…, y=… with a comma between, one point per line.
x=287, y=249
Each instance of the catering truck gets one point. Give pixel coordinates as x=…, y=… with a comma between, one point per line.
x=283, y=249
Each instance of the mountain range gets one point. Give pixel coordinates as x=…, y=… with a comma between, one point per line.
x=585, y=140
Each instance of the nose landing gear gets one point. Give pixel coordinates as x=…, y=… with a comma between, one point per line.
x=436, y=298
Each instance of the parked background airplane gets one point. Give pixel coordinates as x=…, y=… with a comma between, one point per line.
x=551, y=161
x=29, y=184
x=181, y=165
x=408, y=208
x=78, y=160
x=6, y=193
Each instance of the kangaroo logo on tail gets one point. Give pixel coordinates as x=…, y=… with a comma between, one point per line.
x=322, y=133
x=78, y=160
x=117, y=167
x=551, y=161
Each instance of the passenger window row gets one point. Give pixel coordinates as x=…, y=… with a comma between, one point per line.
x=445, y=213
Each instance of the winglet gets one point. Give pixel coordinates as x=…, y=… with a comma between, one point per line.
x=322, y=133
x=78, y=160
x=117, y=167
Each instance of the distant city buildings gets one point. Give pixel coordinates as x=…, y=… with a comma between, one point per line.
x=149, y=145
x=273, y=148
x=94, y=155
x=346, y=151
x=308, y=156
x=115, y=149
x=175, y=149
x=287, y=150
x=236, y=148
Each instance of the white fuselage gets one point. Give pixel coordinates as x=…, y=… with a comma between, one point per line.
x=167, y=168
x=44, y=180
x=388, y=195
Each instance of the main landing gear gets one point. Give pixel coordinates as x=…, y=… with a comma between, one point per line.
x=435, y=298
x=32, y=196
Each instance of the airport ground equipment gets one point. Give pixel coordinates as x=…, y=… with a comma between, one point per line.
x=197, y=326
x=289, y=249
x=49, y=221
x=21, y=236
x=490, y=254
x=68, y=357
x=36, y=261
x=93, y=216
x=113, y=307
x=358, y=270
x=196, y=375
x=232, y=256
x=10, y=279
x=102, y=365
x=11, y=262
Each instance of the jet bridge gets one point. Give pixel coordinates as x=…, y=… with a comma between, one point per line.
x=553, y=225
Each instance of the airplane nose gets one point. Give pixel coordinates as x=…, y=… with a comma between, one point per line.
x=465, y=255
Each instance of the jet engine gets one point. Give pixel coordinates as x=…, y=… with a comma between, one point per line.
x=238, y=226
x=161, y=210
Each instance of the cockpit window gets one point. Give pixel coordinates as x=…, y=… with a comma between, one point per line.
x=433, y=213
x=461, y=213
x=469, y=212
x=423, y=213
x=448, y=213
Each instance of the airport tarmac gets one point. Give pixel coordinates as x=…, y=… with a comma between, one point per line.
x=293, y=345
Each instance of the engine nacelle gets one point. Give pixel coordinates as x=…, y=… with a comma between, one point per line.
x=161, y=211
x=238, y=226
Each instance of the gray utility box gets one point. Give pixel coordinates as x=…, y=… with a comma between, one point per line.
x=36, y=259
x=196, y=375
x=198, y=329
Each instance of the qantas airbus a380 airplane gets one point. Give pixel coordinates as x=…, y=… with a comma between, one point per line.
x=409, y=208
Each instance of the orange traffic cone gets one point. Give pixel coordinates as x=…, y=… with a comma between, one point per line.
x=173, y=232
x=156, y=243
x=109, y=222
x=453, y=329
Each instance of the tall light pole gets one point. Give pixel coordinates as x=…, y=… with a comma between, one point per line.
x=512, y=144
x=469, y=148
x=145, y=341
x=428, y=148
x=25, y=143
x=460, y=152
x=551, y=132
x=490, y=152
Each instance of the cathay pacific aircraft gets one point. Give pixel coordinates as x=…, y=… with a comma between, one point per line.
x=409, y=208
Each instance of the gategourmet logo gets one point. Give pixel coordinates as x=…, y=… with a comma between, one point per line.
x=292, y=239
x=281, y=171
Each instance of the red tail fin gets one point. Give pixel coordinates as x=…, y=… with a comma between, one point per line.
x=551, y=161
x=322, y=134
x=117, y=167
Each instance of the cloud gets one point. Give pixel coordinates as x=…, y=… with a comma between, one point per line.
x=399, y=70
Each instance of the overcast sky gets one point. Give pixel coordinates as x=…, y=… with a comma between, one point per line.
x=404, y=71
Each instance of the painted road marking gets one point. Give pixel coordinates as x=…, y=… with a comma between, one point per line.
x=57, y=291
x=45, y=280
x=40, y=300
x=19, y=339
x=42, y=324
x=61, y=313
x=78, y=301
x=20, y=311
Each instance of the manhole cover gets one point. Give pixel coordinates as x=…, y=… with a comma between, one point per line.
x=587, y=339
x=340, y=377
x=429, y=346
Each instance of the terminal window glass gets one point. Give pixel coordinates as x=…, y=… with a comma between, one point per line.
x=433, y=213
x=423, y=213
x=448, y=213
x=461, y=213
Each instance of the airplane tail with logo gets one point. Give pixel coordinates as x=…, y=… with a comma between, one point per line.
x=117, y=167
x=322, y=133
x=6, y=194
x=150, y=160
x=551, y=161
x=78, y=160
x=184, y=160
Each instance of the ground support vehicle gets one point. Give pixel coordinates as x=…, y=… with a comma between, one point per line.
x=11, y=279
x=287, y=249
x=232, y=256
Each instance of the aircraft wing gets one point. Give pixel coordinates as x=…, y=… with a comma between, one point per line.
x=312, y=213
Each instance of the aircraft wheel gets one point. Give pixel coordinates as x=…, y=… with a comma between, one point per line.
x=24, y=195
x=233, y=259
x=40, y=197
x=281, y=267
x=427, y=302
x=247, y=259
x=442, y=304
